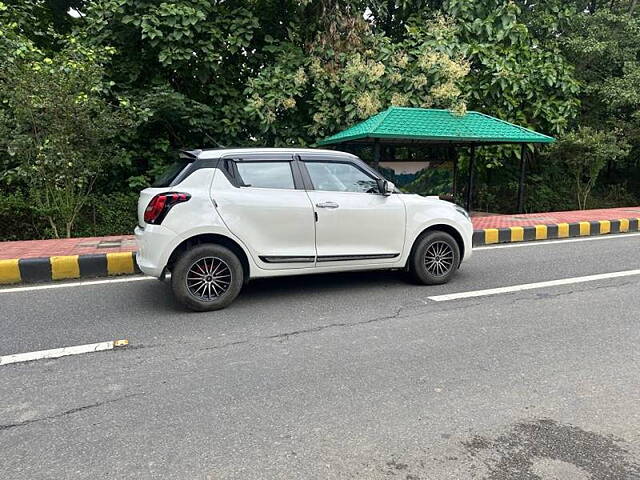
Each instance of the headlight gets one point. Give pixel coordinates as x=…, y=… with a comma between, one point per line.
x=462, y=211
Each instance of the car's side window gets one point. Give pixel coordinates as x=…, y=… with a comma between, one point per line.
x=340, y=177
x=266, y=174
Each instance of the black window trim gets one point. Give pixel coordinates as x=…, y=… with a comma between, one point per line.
x=271, y=158
x=192, y=166
x=229, y=166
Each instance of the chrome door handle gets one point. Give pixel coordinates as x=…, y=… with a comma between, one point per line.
x=327, y=205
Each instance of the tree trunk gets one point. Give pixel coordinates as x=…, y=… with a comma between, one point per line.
x=53, y=227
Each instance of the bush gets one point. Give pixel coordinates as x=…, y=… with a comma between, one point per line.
x=18, y=220
x=431, y=181
x=61, y=129
x=108, y=214
x=615, y=195
x=549, y=193
x=112, y=214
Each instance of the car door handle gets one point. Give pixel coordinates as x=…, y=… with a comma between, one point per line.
x=327, y=205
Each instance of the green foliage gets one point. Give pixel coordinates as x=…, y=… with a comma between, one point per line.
x=186, y=62
x=431, y=181
x=585, y=152
x=605, y=47
x=18, y=220
x=309, y=93
x=550, y=189
x=108, y=214
x=103, y=214
x=14, y=44
x=61, y=129
x=512, y=77
x=615, y=195
x=92, y=108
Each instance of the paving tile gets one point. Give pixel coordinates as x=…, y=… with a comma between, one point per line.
x=67, y=246
x=523, y=220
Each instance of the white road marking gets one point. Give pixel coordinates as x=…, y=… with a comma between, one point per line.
x=75, y=284
x=61, y=352
x=538, y=243
x=531, y=286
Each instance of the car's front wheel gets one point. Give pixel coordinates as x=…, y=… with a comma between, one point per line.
x=207, y=277
x=435, y=258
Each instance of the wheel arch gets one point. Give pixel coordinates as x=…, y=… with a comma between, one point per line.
x=211, y=238
x=440, y=227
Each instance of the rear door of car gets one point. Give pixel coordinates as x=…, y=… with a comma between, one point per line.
x=262, y=200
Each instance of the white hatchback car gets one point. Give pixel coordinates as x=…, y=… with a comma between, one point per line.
x=221, y=217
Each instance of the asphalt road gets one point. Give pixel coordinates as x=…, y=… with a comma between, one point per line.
x=336, y=376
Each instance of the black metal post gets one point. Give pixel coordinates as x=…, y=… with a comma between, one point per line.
x=453, y=156
x=523, y=169
x=391, y=155
x=472, y=160
x=376, y=154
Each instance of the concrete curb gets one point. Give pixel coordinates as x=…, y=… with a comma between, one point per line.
x=46, y=269
x=553, y=231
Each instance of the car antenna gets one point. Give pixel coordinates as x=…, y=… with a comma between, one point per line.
x=218, y=144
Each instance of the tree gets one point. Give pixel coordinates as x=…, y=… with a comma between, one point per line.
x=605, y=47
x=311, y=91
x=585, y=152
x=513, y=76
x=60, y=129
x=186, y=61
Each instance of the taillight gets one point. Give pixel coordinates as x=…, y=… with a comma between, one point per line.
x=161, y=204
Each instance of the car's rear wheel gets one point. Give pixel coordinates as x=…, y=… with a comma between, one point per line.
x=207, y=277
x=435, y=258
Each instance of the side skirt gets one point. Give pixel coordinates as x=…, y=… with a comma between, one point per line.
x=326, y=258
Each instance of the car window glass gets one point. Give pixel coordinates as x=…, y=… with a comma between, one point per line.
x=266, y=174
x=340, y=177
x=170, y=173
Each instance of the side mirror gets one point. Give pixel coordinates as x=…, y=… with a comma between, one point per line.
x=385, y=187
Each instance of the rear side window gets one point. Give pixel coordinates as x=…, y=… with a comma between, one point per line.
x=266, y=174
x=171, y=173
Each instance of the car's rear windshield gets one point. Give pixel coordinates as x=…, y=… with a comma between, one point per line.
x=171, y=173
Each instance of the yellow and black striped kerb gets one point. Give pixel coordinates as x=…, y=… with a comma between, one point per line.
x=488, y=236
x=46, y=269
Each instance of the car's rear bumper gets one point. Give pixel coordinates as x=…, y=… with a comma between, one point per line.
x=153, y=244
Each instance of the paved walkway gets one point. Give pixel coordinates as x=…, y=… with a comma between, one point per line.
x=126, y=243
x=531, y=219
x=67, y=246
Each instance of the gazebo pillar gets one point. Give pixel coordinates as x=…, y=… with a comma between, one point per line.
x=472, y=160
x=376, y=153
x=453, y=157
x=523, y=171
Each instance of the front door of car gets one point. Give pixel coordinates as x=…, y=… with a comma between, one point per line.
x=356, y=223
x=262, y=201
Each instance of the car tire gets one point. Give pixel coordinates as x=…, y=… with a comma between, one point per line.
x=435, y=258
x=207, y=277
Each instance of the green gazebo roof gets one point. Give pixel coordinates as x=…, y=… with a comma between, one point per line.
x=436, y=126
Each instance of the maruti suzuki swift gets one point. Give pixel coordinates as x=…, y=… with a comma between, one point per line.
x=219, y=218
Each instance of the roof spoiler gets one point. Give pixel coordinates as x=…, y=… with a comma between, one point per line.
x=190, y=154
